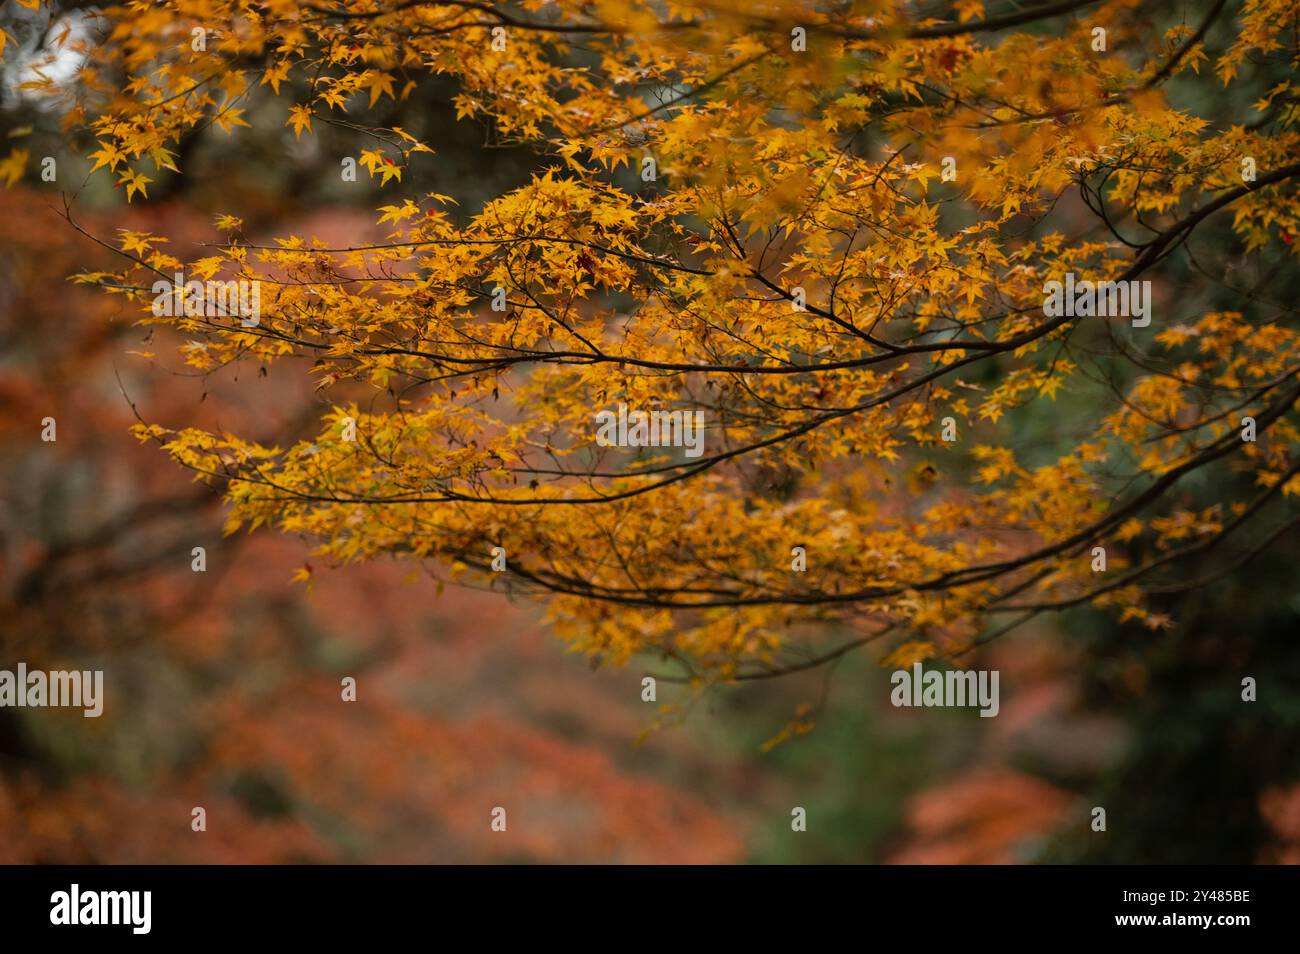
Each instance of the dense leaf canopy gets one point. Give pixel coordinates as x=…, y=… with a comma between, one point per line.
x=829, y=228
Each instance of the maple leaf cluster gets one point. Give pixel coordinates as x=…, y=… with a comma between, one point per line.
x=828, y=229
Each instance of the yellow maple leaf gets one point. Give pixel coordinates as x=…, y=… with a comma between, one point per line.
x=107, y=155
x=13, y=166
x=299, y=119
x=134, y=182
x=909, y=654
x=379, y=84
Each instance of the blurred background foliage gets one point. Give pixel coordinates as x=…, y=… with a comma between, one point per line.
x=223, y=687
